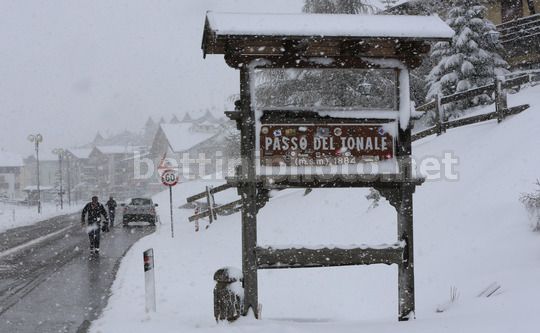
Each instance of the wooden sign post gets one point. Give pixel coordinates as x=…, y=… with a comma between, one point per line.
x=326, y=99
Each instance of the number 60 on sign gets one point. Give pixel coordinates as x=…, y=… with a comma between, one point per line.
x=169, y=178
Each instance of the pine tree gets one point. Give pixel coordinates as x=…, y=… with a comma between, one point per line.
x=338, y=7
x=470, y=60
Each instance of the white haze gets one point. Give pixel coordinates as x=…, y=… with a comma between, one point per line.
x=70, y=68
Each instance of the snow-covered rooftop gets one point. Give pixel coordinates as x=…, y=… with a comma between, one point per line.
x=81, y=153
x=118, y=149
x=181, y=137
x=329, y=25
x=8, y=159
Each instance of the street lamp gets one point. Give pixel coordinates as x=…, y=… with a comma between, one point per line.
x=60, y=153
x=493, y=36
x=36, y=140
x=68, y=170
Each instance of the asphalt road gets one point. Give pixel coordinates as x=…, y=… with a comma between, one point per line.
x=51, y=283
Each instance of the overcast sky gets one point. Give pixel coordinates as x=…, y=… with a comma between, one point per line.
x=69, y=68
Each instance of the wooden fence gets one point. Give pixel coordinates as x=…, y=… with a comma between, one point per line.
x=521, y=40
x=502, y=110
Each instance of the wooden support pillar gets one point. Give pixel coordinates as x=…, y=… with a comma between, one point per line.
x=404, y=207
x=501, y=99
x=440, y=117
x=248, y=191
x=406, y=268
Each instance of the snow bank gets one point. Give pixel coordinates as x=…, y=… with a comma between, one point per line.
x=468, y=234
x=12, y=216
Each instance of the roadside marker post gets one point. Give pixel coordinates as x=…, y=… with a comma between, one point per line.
x=149, y=280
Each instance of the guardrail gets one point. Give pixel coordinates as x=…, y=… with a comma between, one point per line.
x=502, y=110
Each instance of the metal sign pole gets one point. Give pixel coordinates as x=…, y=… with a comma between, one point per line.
x=149, y=280
x=170, y=204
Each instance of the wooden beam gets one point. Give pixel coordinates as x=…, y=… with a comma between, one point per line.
x=517, y=81
x=406, y=297
x=487, y=89
x=248, y=193
x=426, y=107
x=229, y=208
x=213, y=190
x=427, y=132
x=270, y=258
x=337, y=181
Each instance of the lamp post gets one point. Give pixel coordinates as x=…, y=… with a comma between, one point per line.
x=60, y=153
x=493, y=36
x=68, y=167
x=36, y=140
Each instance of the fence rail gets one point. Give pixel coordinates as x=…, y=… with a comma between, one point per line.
x=502, y=110
x=521, y=41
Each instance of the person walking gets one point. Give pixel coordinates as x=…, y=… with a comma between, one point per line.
x=111, y=205
x=94, y=210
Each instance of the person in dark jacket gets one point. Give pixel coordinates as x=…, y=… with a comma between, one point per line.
x=94, y=210
x=111, y=205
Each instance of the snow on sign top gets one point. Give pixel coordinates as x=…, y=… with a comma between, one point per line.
x=328, y=25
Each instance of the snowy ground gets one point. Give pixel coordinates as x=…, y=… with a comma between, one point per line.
x=469, y=233
x=12, y=216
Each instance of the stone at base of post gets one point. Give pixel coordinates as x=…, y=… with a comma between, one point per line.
x=228, y=294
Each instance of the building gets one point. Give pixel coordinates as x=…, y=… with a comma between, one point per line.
x=79, y=174
x=48, y=169
x=111, y=171
x=193, y=146
x=11, y=169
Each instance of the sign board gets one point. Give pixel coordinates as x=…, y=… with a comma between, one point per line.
x=169, y=178
x=324, y=144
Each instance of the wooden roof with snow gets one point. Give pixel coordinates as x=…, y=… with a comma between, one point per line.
x=241, y=37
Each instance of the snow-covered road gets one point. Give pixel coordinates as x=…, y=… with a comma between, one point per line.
x=48, y=283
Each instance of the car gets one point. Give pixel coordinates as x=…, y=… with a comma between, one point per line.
x=139, y=210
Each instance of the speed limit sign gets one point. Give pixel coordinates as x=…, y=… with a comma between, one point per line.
x=169, y=178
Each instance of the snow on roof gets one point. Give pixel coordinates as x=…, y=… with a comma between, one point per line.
x=8, y=159
x=41, y=188
x=118, y=149
x=328, y=25
x=181, y=137
x=81, y=153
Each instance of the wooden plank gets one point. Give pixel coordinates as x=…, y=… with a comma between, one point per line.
x=223, y=209
x=471, y=120
x=210, y=201
x=338, y=181
x=515, y=110
x=269, y=258
x=516, y=23
x=426, y=107
x=203, y=194
x=422, y=134
x=517, y=81
x=488, y=89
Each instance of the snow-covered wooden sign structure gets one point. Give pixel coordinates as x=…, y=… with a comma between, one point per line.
x=324, y=103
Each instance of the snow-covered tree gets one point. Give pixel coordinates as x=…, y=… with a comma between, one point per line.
x=532, y=203
x=339, y=7
x=471, y=59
